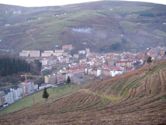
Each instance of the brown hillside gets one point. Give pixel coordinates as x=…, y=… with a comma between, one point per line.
x=102, y=26
x=135, y=98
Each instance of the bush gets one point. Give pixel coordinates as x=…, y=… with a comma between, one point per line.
x=45, y=94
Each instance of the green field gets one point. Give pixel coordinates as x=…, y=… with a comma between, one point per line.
x=28, y=101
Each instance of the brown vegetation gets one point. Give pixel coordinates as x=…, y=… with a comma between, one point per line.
x=135, y=98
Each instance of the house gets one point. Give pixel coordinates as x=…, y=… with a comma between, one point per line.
x=83, y=52
x=55, y=79
x=92, y=72
x=124, y=63
x=46, y=79
x=99, y=72
x=24, y=53
x=67, y=47
x=47, y=53
x=13, y=95
x=9, y=98
x=27, y=87
x=61, y=78
x=162, y=52
x=52, y=79
x=18, y=93
x=76, y=56
x=34, y=53
x=113, y=73
x=44, y=62
x=58, y=53
x=106, y=72
x=30, y=53
x=2, y=99
x=116, y=71
x=87, y=50
x=75, y=72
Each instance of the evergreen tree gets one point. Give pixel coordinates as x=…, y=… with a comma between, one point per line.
x=36, y=66
x=45, y=94
x=68, y=80
x=12, y=65
x=149, y=60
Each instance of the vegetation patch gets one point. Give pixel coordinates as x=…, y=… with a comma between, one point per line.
x=36, y=98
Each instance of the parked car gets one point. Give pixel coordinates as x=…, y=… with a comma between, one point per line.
x=5, y=105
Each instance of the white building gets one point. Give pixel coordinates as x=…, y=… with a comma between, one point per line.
x=58, y=52
x=24, y=53
x=44, y=62
x=34, y=53
x=67, y=47
x=46, y=79
x=30, y=53
x=76, y=56
x=82, y=52
x=2, y=100
x=50, y=79
x=47, y=53
x=99, y=72
x=13, y=95
x=113, y=73
x=9, y=98
x=28, y=88
x=87, y=52
x=17, y=93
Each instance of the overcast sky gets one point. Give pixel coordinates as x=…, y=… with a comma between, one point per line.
x=30, y=3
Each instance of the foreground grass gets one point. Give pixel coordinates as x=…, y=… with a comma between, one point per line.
x=30, y=100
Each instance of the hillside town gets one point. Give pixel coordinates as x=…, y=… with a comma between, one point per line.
x=58, y=64
x=80, y=67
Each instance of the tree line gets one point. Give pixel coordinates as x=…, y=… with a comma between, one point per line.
x=13, y=65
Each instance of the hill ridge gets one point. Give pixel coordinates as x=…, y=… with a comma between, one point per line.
x=121, y=26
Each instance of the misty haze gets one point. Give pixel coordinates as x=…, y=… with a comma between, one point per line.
x=83, y=62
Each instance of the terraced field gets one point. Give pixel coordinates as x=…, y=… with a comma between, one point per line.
x=135, y=98
x=35, y=98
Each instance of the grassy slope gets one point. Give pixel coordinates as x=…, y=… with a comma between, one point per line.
x=28, y=101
